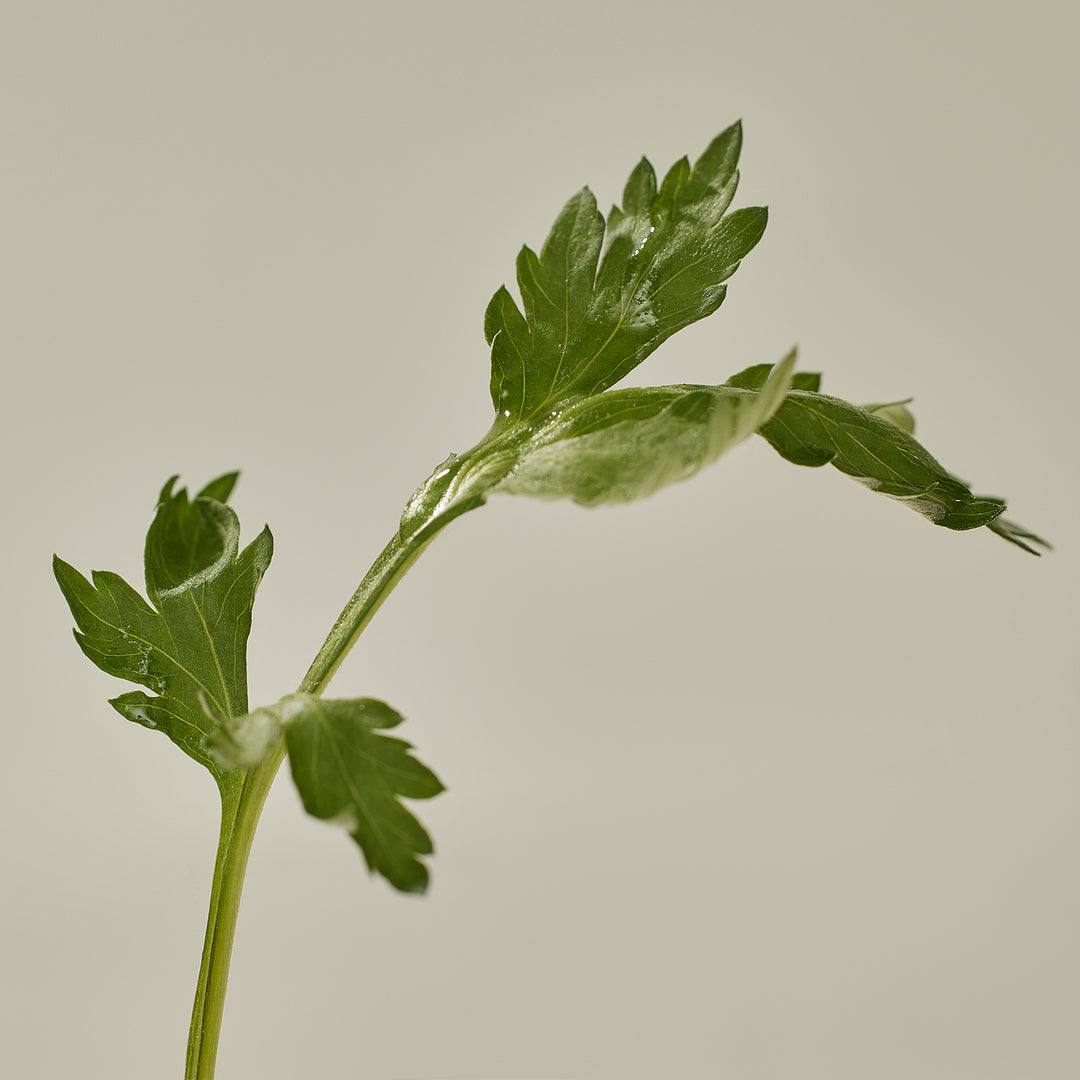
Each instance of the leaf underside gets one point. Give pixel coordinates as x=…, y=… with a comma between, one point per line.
x=874, y=445
x=349, y=773
x=190, y=642
x=626, y=444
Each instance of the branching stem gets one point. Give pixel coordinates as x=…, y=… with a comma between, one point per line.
x=243, y=795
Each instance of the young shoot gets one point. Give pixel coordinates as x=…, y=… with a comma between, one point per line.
x=600, y=296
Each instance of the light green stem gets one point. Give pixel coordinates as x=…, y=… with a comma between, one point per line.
x=240, y=810
x=242, y=801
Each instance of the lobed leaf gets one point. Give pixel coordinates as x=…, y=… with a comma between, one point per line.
x=347, y=772
x=190, y=645
x=874, y=445
x=588, y=321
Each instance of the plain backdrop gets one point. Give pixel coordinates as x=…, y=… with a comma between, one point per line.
x=763, y=778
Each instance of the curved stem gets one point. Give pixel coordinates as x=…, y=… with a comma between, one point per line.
x=242, y=801
x=386, y=571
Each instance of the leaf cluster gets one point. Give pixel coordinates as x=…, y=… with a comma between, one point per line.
x=598, y=299
x=188, y=645
x=600, y=296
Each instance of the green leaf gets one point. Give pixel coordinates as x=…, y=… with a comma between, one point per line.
x=588, y=321
x=1017, y=534
x=626, y=444
x=556, y=290
x=192, y=642
x=187, y=539
x=895, y=412
x=346, y=772
x=873, y=445
x=607, y=448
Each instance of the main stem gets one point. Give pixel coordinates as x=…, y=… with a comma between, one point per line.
x=241, y=805
x=242, y=801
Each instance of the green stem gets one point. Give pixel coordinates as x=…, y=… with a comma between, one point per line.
x=240, y=810
x=230, y=801
x=242, y=801
x=386, y=571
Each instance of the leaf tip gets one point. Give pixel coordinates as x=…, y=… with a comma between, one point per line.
x=415, y=882
x=221, y=487
x=265, y=540
x=167, y=491
x=65, y=574
x=1017, y=534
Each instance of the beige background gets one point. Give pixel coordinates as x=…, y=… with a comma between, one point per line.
x=762, y=779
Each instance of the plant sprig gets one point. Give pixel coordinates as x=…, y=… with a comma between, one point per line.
x=601, y=295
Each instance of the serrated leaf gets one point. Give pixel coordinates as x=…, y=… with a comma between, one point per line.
x=873, y=445
x=192, y=641
x=556, y=286
x=347, y=772
x=588, y=321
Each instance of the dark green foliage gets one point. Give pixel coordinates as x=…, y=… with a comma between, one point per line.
x=347, y=772
x=588, y=320
x=193, y=640
x=874, y=445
